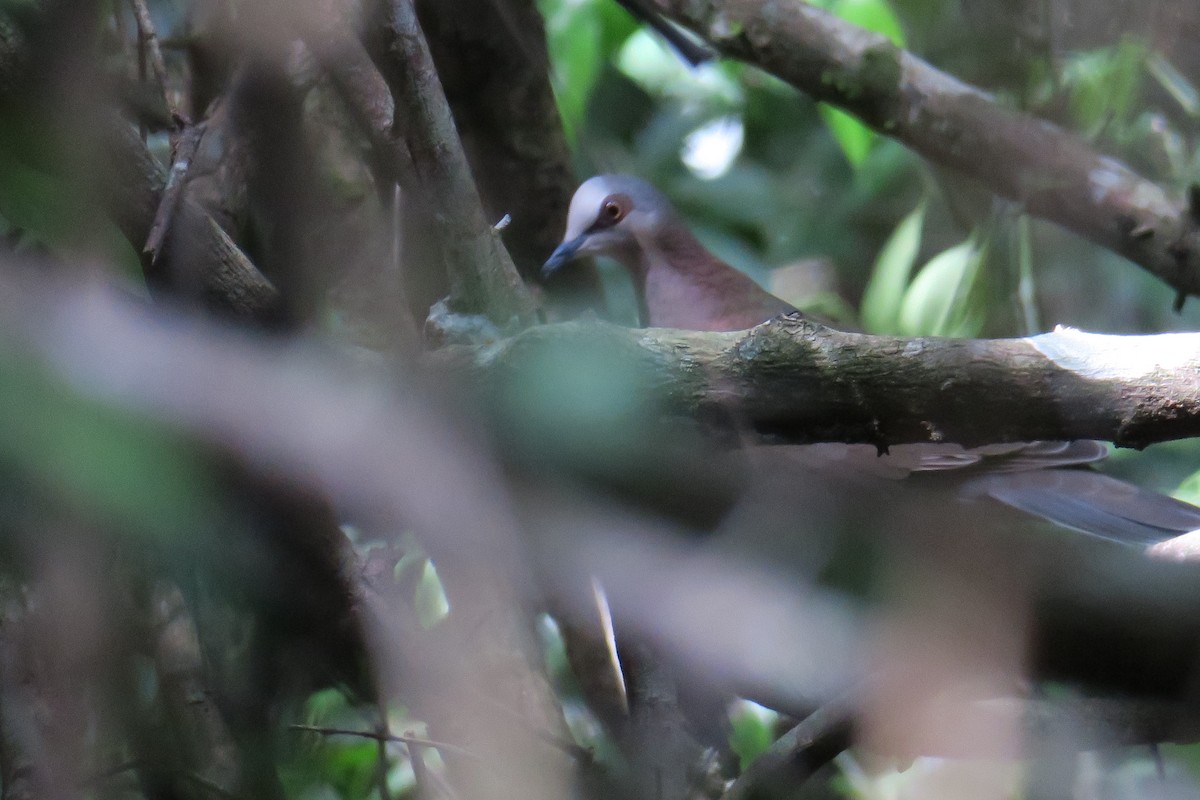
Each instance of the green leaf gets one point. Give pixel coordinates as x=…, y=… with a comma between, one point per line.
x=647, y=61
x=1189, y=490
x=874, y=15
x=1175, y=83
x=941, y=301
x=1103, y=84
x=325, y=706
x=750, y=733
x=573, y=37
x=48, y=209
x=430, y=601
x=127, y=471
x=885, y=290
x=852, y=136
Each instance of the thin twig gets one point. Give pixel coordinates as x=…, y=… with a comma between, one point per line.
x=693, y=53
x=149, y=37
x=389, y=737
x=796, y=755
x=381, y=763
x=185, y=152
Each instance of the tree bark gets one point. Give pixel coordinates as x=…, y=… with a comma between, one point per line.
x=796, y=381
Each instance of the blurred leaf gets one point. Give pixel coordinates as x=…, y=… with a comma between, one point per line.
x=737, y=197
x=884, y=293
x=325, y=706
x=49, y=210
x=877, y=16
x=1175, y=83
x=852, y=136
x=1189, y=490
x=874, y=15
x=574, y=39
x=751, y=732
x=350, y=766
x=430, y=600
x=941, y=301
x=1102, y=84
x=654, y=66
x=581, y=38
x=1186, y=754
x=126, y=470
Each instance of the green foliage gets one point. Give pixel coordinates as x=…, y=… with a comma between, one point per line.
x=751, y=732
x=53, y=212
x=882, y=299
x=417, y=571
x=877, y=16
x=873, y=15
x=115, y=467
x=1102, y=85
x=581, y=37
x=943, y=300
x=430, y=600
x=1173, y=81
x=852, y=136
x=1189, y=490
x=659, y=71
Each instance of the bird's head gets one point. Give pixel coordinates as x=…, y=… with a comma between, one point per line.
x=609, y=216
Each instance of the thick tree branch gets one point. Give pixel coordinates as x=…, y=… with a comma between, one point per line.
x=482, y=276
x=491, y=58
x=798, y=381
x=1053, y=173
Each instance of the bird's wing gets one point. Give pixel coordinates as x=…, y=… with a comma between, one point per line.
x=1092, y=503
x=903, y=460
x=1039, y=478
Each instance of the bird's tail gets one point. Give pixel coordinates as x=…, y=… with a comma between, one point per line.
x=1094, y=504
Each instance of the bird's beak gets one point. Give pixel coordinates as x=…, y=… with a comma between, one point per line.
x=563, y=254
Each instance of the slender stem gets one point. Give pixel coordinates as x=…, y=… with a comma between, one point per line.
x=148, y=39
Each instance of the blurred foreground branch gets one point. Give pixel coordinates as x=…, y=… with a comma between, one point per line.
x=1053, y=173
x=394, y=460
x=801, y=382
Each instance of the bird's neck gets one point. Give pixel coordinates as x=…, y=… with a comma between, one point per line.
x=680, y=284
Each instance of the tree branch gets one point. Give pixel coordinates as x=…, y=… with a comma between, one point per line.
x=492, y=61
x=482, y=275
x=204, y=259
x=800, y=382
x=796, y=755
x=1053, y=173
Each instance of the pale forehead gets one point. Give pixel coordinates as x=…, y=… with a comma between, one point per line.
x=585, y=205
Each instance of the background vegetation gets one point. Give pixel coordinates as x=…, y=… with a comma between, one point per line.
x=261, y=539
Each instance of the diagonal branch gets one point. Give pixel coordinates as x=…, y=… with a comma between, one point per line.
x=482, y=275
x=797, y=381
x=1052, y=172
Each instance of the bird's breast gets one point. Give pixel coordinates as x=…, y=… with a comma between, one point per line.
x=677, y=300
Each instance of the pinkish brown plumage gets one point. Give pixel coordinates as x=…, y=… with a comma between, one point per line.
x=679, y=283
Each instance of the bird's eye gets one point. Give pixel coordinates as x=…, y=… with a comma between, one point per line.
x=613, y=211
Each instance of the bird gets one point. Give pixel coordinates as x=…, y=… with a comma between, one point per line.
x=680, y=284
